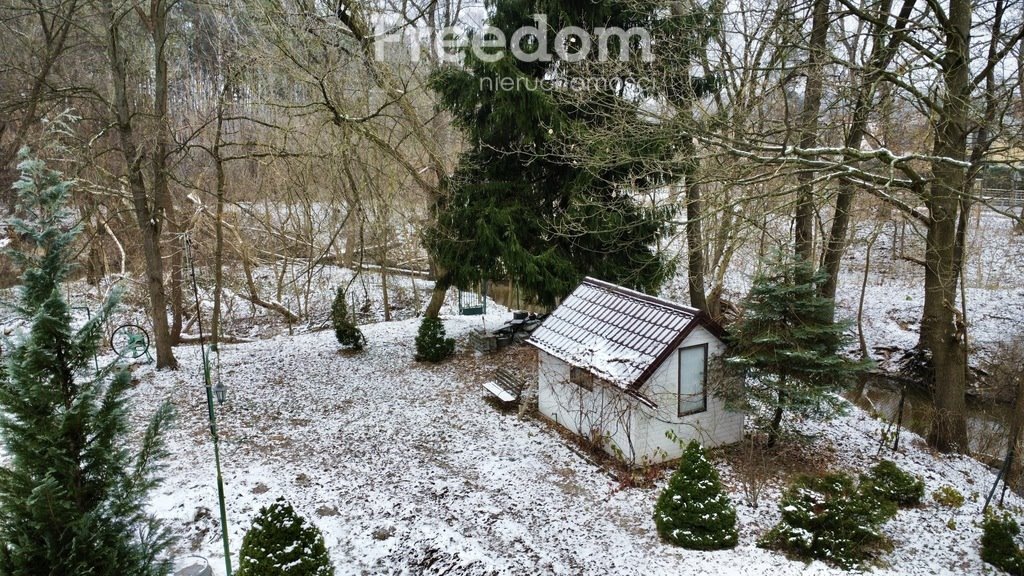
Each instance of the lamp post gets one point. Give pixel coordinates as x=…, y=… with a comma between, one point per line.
x=221, y=392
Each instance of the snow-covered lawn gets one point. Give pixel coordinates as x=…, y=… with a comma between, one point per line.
x=408, y=470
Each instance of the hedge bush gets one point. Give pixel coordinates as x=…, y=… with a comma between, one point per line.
x=828, y=518
x=692, y=511
x=998, y=545
x=888, y=481
x=281, y=543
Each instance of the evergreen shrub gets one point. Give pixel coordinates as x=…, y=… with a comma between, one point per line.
x=998, y=545
x=282, y=543
x=828, y=518
x=345, y=329
x=431, y=344
x=888, y=481
x=693, y=511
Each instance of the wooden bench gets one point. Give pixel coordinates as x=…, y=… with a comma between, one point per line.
x=506, y=386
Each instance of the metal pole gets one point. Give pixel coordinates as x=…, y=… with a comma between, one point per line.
x=1002, y=472
x=212, y=414
x=899, y=419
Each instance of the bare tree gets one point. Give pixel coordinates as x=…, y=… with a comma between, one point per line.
x=34, y=39
x=150, y=201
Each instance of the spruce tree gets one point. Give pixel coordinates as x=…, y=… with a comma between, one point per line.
x=692, y=511
x=519, y=206
x=788, y=347
x=345, y=330
x=431, y=343
x=72, y=495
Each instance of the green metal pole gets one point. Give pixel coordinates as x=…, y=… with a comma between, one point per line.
x=209, y=408
x=216, y=459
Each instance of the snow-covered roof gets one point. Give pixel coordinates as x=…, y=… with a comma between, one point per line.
x=615, y=333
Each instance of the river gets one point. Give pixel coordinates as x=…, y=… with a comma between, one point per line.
x=987, y=420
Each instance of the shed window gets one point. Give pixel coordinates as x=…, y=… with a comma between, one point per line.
x=581, y=378
x=693, y=368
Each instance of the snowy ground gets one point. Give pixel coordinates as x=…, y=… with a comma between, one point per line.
x=408, y=470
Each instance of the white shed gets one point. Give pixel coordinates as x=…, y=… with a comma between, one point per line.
x=622, y=368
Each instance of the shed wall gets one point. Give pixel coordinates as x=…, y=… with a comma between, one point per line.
x=715, y=426
x=632, y=430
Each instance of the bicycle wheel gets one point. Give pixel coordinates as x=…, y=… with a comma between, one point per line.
x=129, y=341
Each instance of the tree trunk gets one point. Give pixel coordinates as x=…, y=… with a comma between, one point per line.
x=1015, y=474
x=437, y=297
x=154, y=277
x=942, y=327
x=803, y=224
x=1018, y=228
x=863, y=290
x=385, y=300
x=149, y=219
x=218, y=223
x=695, y=244
x=95, y=268
x=177, y=281
x=775, y=427
x=695, y=263
x=351, y=244
x=161, y=190
x=881, y=54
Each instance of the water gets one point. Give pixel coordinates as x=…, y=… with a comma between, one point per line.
x=987, y=420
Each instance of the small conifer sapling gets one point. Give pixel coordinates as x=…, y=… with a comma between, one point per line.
x=345, y=330
x=788, y=347
x=431, y=343
x=693, y=511
x=282, y=543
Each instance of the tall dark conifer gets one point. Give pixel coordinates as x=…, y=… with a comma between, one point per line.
x=72, y=495
x=519, y=207
x=788, y=346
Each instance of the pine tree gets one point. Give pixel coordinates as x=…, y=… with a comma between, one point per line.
x=431, y=344
x=345, y=330
x=72, y=495
x=830, y=518
x=788, y=346
x=518, y=207
x=692, y=511
x=282, y=543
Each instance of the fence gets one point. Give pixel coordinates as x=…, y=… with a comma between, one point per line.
x=1003, y=197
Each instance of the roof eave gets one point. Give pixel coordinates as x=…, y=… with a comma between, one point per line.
x=701, y=319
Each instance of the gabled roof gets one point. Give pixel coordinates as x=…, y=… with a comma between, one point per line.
x=615, y=333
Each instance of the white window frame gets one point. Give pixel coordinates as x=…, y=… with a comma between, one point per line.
x=679, y=383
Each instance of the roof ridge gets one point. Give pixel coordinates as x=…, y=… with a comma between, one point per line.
x=640, y=295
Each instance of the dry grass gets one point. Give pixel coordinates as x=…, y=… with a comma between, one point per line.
x=756, y=466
